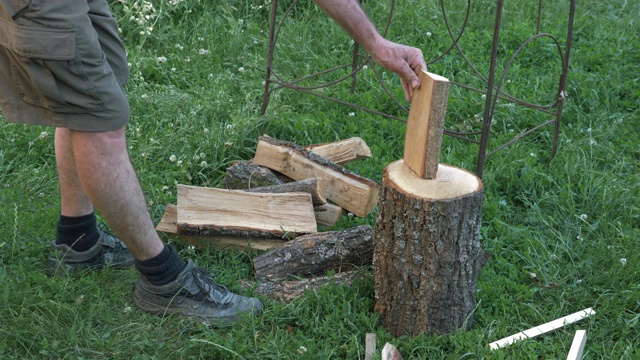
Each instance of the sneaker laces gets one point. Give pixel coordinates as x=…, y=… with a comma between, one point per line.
x=105, y=229
x=205, y=282
x=112, y=238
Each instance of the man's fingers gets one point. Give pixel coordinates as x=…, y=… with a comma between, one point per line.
x=408, y=90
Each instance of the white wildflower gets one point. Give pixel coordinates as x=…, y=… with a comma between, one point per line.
x=623, y=261
x=161, y=59
x=172, y=158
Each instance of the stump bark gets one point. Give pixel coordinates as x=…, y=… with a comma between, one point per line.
x=427, y=251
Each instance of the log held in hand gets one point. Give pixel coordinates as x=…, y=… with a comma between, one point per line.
x=427, y=253
x=425, y=125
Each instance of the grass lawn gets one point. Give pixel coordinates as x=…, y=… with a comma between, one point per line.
x=564, y=232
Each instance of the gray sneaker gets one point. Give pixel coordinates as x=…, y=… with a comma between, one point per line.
x=108, y=251
x=196, y=294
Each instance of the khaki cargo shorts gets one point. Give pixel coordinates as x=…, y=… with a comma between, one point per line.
x=62, y=64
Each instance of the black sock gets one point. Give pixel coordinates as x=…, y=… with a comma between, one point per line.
x=79, y=232
x=163, y=268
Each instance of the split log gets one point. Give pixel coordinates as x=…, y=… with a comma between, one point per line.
x=238, y=177
x=287, y=291
x=247, y=175
x=315, y=254
x=211, y=211
x=328, y=214
x=169, y=225
x=369, y=346
x=343, y=151
x=343, y=187
x=390, y=352
x=425, y=125
x=311, y=186
x=427, y=250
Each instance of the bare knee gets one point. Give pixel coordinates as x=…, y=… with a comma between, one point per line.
x=101, y=143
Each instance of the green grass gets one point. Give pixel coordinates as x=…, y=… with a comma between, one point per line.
x=195, y=94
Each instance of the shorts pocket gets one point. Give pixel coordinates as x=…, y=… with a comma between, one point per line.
x=46, y=71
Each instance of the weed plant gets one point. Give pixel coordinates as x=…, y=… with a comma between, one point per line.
x=563, y=232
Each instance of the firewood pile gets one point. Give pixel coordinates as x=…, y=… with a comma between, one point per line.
x=275, y=202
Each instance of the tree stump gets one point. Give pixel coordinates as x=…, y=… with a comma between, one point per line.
x=427, y=252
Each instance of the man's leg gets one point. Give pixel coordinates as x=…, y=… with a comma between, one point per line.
x=110, y=183
x=94, y=169
x=77, y=227
x=73, y=200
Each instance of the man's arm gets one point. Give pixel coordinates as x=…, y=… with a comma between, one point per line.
x=404, y=60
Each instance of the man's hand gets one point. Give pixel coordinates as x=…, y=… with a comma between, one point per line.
x=403, y=60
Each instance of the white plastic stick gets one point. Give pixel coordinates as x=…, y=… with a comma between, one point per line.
x=542, y=329
x=575, y=353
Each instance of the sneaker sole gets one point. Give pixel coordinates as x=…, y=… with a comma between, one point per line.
x=163, y=311
x=57, y=268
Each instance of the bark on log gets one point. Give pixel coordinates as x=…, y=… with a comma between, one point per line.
x=343, y=187
x=312, y=187
x=315, y=254
x=247, y=175
x=287, y=291
x=427, y=250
